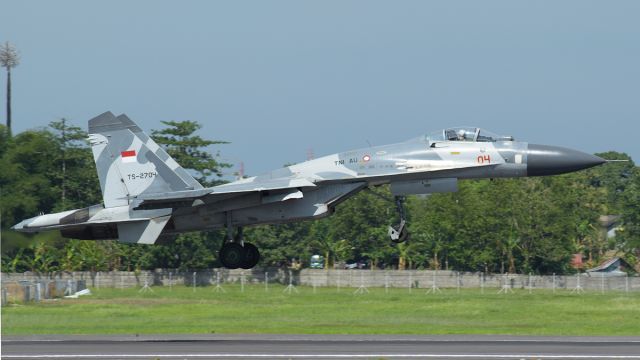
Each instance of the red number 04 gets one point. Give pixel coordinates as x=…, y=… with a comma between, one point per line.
x=484, y=159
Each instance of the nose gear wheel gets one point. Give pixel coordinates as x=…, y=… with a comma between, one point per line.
x=399, y=234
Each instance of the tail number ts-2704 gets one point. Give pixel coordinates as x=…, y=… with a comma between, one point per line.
x=142, y=175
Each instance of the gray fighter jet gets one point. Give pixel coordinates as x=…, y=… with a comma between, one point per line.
x=148, y=196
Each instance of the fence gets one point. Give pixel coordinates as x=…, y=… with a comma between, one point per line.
x=33, y=286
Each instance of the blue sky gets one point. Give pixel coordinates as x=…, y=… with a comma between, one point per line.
x=276, y=78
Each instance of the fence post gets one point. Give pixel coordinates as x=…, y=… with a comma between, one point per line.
x=218, y=287
x=553, y=286
x=626, y=283
x=482, y=283
x=386, y=282
x=578, y=289
x=36, y=298
x=194, y=281
x=266, y=281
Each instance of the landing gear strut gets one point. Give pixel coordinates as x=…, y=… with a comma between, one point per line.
x=235, y=253
x=400, y=233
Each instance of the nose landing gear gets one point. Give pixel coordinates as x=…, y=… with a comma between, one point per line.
x=400, y=233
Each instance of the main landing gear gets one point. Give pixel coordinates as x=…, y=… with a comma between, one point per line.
x=235, y=253
x=400, y=233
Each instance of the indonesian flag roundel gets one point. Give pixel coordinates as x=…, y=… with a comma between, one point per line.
x=128, y=156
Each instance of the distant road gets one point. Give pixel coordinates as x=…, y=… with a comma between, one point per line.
x=318, y=347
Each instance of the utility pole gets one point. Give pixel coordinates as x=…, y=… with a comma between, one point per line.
x=9, y=58
x=64, y=161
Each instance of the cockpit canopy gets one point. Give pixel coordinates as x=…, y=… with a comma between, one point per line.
x=470, y=134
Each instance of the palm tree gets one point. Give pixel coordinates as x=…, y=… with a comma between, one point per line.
x=9, y=58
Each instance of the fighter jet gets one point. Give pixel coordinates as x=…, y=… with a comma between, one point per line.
x=147, y=196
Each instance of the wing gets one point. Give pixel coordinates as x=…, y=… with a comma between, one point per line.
x=282, y=189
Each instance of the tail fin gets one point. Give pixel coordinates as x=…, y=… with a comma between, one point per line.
x=130, y=163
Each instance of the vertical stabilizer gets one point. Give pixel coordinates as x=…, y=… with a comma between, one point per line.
x=130, y=163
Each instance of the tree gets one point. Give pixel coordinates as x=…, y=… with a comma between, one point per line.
x=357, y=231
x=630, y=233
x=76, y=178
x=189, y=150
x=614, y=177
x=4, y=139
x=331, y=248
x=9, y=58
x=27, y=165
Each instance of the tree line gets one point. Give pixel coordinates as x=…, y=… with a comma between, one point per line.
x=501, y=225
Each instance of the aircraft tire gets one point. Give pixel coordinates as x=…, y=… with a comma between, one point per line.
x=232, y=255
x=404, y=235
x=251, y=257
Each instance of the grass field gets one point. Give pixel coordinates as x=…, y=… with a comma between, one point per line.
x=182, y=311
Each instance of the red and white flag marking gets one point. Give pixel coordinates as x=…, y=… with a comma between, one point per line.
x=128, y=156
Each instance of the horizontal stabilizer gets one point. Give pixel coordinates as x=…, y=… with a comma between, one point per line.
x=142, y=232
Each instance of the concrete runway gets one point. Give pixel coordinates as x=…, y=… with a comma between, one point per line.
x=318, y=347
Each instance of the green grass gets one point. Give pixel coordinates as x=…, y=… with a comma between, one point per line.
x=180, y=310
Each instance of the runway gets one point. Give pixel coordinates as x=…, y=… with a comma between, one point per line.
x=318, y=347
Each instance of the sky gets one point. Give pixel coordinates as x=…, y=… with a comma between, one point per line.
x=281, y=79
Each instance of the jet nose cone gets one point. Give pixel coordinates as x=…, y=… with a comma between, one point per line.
x=552, y=160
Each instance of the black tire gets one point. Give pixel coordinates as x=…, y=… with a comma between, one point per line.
x=232, y=255
x=251, y=257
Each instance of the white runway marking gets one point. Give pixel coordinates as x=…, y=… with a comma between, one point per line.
x=307, y=356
